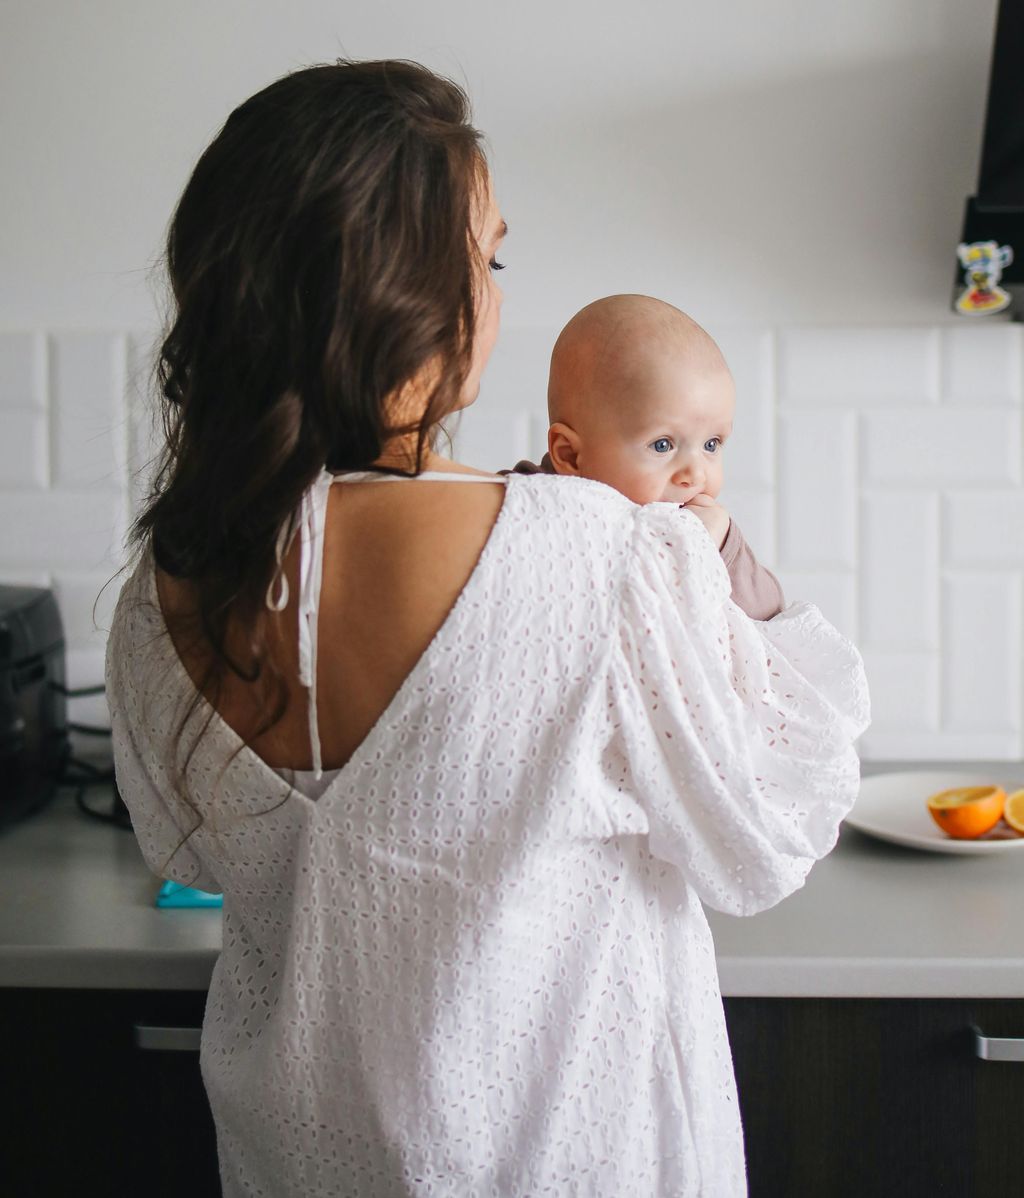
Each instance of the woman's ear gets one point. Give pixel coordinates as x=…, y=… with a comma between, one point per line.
x=564, y=448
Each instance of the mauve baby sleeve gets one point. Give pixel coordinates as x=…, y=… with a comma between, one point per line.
x=755, y=589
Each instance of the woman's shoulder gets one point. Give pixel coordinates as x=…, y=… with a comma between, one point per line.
x=136, y=637
x=133, y=592
x=581, y=509
x=574, y=496
x=583, y=526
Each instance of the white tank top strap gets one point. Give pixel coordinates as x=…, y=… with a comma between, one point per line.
x=370, y=476
x=310, y=525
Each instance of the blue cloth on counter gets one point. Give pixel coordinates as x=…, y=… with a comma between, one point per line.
x=173, y=894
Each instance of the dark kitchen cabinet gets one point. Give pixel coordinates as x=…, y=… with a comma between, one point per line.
x=867, y=1098
x=840, y=1098
x=89, y=1111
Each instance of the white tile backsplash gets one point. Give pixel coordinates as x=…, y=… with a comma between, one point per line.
x=86, y=604
x=24, y=449
x=817, y=488
x=491, y=440
x=754, y=513
x=68, y=530
x=88, y=410
x=22, y=370
x=858, y=367
x=946, y=446
x=984, y=528
x=537, y=444
x=145, y=434
x=876, y=471
x=908, y=745
x=751, y=448
x=84, y=669
x=981, y=684
x=834, y=591
x=904, y=691
x=517, y=374
x=982, y=366
x=899, y=571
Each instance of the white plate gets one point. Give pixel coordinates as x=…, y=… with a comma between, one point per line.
x=892, y=807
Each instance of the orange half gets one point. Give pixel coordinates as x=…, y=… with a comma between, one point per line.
x=966, y=812
x=1013, y=812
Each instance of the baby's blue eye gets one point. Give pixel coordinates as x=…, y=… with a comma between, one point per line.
x=664, y=441
x=715, y=442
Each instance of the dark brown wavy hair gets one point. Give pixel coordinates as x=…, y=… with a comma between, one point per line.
x=320, y=258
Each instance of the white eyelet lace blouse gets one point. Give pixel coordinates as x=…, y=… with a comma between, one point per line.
x=477, y=963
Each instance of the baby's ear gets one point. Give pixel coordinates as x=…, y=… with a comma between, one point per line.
x=564, y=448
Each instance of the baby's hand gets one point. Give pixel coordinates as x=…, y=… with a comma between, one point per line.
x=713, y=516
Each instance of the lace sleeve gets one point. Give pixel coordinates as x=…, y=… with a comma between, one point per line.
x=161, y=820
x=735, y=736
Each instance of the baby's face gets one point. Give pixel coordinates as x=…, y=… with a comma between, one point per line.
x=664, y=440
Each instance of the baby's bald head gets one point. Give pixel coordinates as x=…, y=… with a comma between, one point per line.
x=611, y=352
x=639, y=398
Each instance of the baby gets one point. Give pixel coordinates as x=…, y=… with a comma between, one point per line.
x=640, y=398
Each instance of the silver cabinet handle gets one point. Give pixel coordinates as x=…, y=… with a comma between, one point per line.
x=998, y=1048
x=168, y=1039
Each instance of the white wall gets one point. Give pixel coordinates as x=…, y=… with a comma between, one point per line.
x=792, y=174
x=798, y=161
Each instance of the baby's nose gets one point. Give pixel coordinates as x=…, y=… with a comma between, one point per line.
x=690, y=473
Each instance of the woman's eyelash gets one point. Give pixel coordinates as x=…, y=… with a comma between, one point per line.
x=494, y=265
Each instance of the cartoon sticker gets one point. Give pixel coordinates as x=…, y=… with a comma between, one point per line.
x=983, y=263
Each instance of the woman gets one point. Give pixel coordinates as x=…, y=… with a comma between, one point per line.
x=464, y=760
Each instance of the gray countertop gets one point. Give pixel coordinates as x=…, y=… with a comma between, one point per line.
x=76, y=910
x=872, y=920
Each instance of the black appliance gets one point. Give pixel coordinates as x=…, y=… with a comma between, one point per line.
x=34, y=743
x=996, y=213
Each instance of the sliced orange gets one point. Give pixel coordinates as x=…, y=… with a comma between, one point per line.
x=966, y=812
x=1013, y=812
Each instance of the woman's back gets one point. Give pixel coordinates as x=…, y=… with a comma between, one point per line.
x=396, y=555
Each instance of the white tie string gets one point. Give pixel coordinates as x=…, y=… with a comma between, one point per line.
x=279, y=601
x=311, y=571
x=311, y=522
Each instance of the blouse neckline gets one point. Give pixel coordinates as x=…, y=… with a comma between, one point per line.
x=386, y=718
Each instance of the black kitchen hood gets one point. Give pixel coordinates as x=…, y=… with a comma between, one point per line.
x=992, y=240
